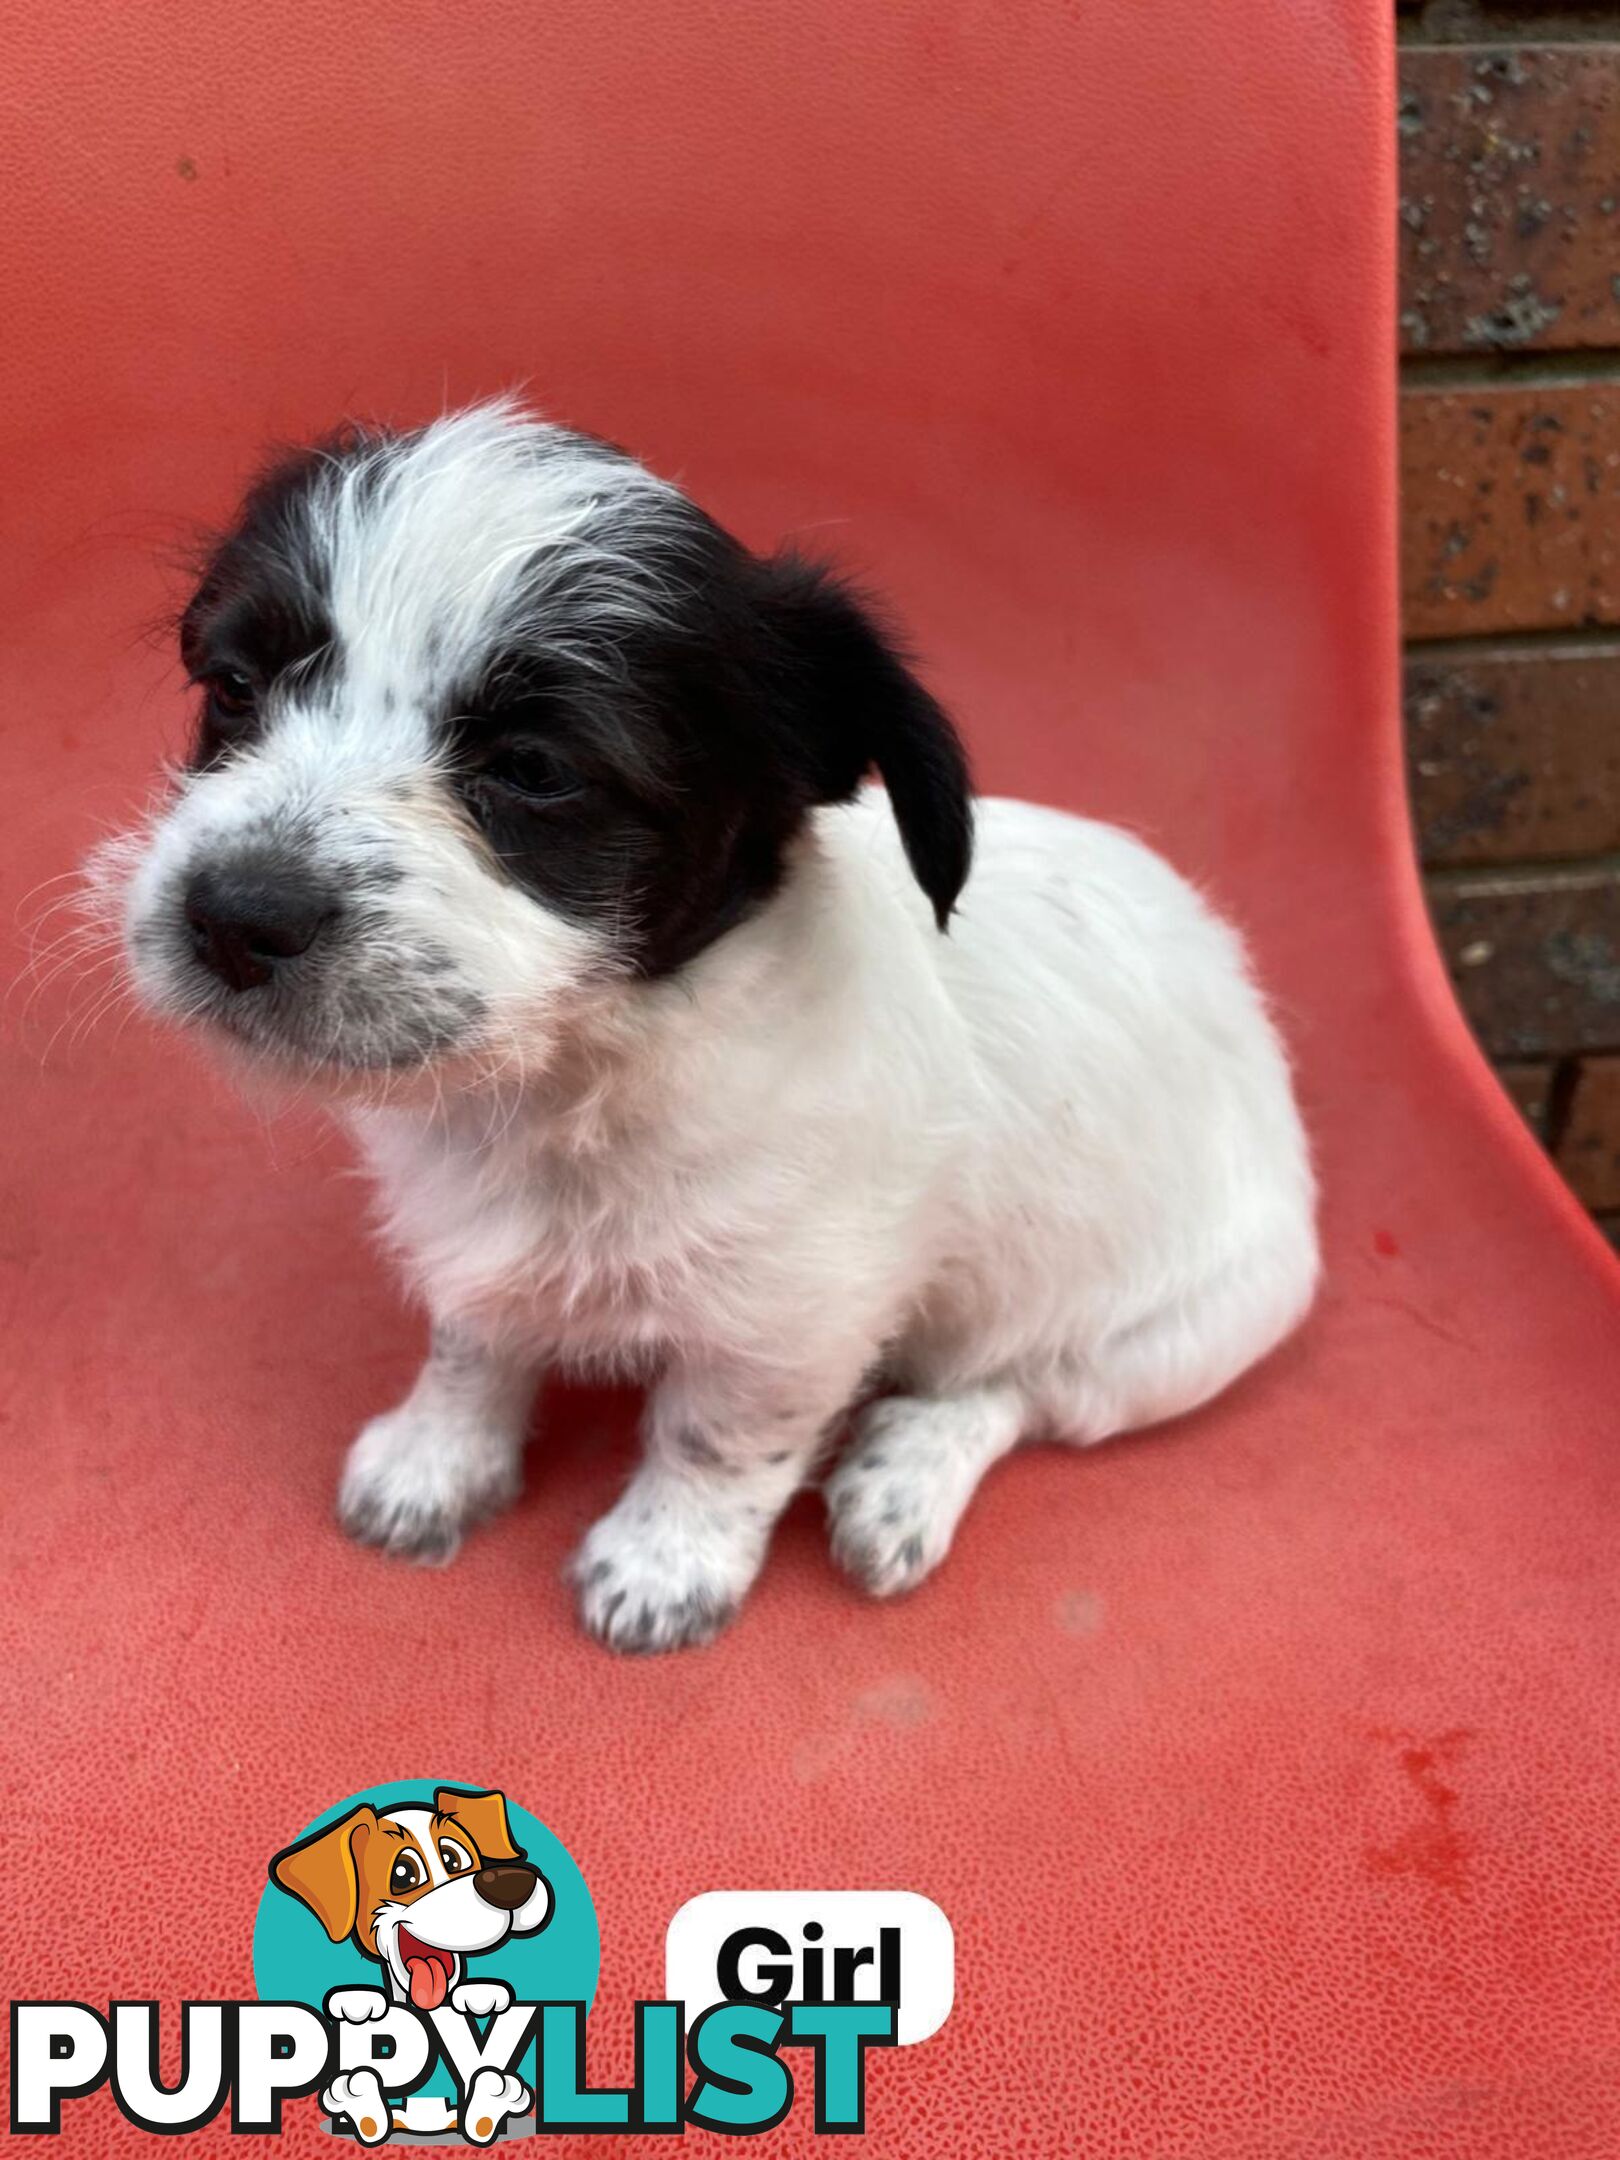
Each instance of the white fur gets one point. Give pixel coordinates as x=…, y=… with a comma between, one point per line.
x=436, y=553
x=1046, y=1173
x=450, y=1454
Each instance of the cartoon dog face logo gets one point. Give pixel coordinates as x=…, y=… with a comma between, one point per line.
x=419, y=1889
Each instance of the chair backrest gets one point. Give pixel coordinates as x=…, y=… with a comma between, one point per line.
x=1067, y=324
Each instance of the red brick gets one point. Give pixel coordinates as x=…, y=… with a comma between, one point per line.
x=1530, y=1084
x=1514, y=754
x=1510, y=197
x=1502, y=22
x=1589, y=1147
x=1511, y=507
x=1535, y=955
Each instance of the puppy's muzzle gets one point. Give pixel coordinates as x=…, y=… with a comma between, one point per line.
x=245, y=921
x=506, y=1885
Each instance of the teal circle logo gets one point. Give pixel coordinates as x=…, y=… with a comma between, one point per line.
x=417, y=1889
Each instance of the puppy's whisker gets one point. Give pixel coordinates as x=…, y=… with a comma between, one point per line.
x=78, y=1021
x=111, y=999
x=77, y=953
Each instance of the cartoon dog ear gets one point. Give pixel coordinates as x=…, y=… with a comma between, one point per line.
x=323, y=1871
x=483, y=1816
x=854, y=703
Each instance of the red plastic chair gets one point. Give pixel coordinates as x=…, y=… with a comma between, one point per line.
x=1266, y=1767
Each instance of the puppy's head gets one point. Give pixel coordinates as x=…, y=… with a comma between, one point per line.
x=489, y=717
x=419, y=1889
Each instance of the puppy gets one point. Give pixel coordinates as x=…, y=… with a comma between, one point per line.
x=526, y=820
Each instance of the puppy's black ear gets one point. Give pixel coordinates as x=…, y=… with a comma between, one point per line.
x=854, y=703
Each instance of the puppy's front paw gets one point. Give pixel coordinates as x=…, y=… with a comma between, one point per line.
x=414, y=1485
x=359, y=2096
x=661, y=1574
x=492, y=2099
x=891, y=1524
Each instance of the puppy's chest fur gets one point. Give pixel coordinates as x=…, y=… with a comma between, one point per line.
x=603, y=1259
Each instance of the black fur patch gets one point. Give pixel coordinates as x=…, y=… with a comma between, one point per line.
x=644, y=775
x=261, y=607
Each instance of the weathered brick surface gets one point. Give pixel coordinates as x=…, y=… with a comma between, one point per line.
x=1535, y=955
x=1510, y=197
x=1589, y=1147
x=1511, y=507
x=1474, y=22
x=1514, y=754
x=1530, y=1083
x=1509, y=143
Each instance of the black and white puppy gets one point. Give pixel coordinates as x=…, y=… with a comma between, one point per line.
x=526, y=818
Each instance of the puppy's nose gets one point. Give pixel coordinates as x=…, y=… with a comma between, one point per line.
x=246, y=921
x=506, y=1886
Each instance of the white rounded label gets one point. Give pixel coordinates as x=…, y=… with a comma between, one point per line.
x=773, y=1946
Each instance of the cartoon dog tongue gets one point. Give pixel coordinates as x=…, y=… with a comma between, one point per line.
x=430, y=1982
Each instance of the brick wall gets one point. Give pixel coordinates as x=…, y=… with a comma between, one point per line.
x=1510, y=422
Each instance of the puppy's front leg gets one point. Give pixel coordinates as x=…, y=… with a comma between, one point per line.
x=449, y=1455
x=725, y=1451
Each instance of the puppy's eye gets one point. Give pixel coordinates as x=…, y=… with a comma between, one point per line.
x=529, y=771
x=455, y=1860
x=406, y=1874
x=230, y=692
